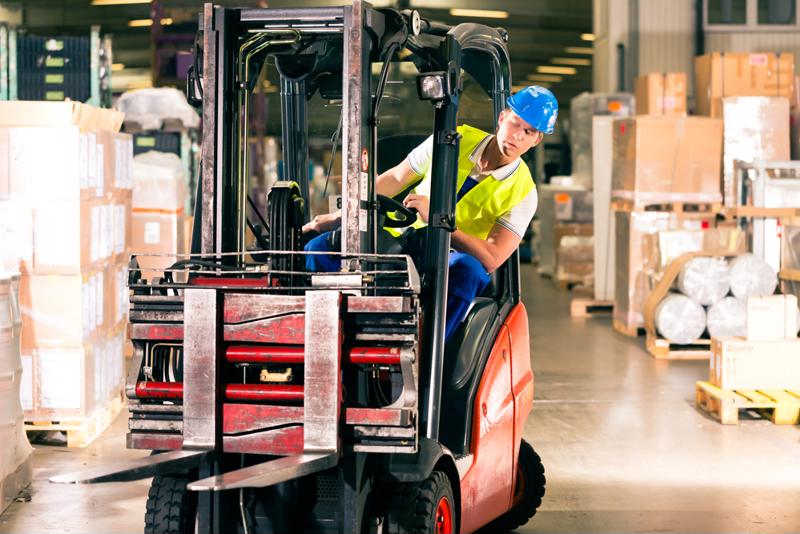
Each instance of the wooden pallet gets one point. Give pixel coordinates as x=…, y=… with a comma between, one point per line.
x=782, y=407
x=682, y=207
x=588, y=307
x=626, y=330
x=81, y=432
x=661, y=349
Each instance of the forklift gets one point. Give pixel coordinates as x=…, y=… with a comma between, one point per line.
x=275, y=399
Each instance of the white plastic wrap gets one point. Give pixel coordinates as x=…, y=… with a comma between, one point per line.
x=728, y=317
x=705, y=280
x=751, y=276
x=680, y=319
x=151, y=107
x=582, y=109
x=158, y=182
x=15, y=451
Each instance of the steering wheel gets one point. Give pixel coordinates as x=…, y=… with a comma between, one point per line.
x=387, y=205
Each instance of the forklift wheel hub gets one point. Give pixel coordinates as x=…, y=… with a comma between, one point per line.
x=444, y=516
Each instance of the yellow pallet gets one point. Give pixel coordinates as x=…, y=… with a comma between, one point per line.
x=81, y=432
x=724, y=405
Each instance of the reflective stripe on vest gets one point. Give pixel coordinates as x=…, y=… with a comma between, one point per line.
x=478, y=210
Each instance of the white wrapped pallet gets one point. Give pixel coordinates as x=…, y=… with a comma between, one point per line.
x=15, y=451
x=751, y=276
x=680, y=319
x=728, y=317
x=705, y=280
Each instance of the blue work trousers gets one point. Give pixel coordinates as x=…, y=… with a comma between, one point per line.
x=466, y=280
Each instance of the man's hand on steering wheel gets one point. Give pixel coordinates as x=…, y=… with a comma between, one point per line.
x=323, y=223
x=419, y=203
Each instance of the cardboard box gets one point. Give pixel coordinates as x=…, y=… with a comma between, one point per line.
x=70, y=383
x=719, y=75
x=116, y=291
x=67, y=236
x=772, y=318
x=740, y=364
x=47, y=163
x=755, y=128
x=84, y=116
x=660, y=93
x=154, y=232
x=16, y=236
x=61, y=311
x=661, y=248
x=672, y=157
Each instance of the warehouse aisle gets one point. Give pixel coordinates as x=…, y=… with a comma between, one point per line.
x=624, y=448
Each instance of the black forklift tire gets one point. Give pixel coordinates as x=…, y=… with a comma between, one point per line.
x=528, y=492
x=415, y=508
x=170, y=508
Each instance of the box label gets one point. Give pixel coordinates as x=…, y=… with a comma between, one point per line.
x=757, y=60
x=60, y=379
x=152, y=233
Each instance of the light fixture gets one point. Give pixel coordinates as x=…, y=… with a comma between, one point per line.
x=544, y=78
x=118, y=2
x=587, y=37
x=117, y=66
x=575, y=61
x=517, y=88
x=579, y=50
x=549, y=69
x=479, y=13
x=140, y=23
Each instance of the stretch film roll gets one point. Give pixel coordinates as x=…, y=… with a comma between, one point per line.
x=680, y=319
x=705, y=280
x=728, y=317
x=751, y=276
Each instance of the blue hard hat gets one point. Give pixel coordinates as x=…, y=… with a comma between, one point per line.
x=537, y=106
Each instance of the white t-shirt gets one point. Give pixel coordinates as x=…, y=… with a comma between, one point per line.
x=518, y=218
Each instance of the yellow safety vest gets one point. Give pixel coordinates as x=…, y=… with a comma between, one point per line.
x=479, y=209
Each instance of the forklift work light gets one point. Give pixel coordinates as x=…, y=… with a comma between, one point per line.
x=433, y=85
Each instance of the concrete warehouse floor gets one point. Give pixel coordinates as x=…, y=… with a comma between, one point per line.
x=623, y=446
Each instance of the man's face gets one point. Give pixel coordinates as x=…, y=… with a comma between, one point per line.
x=514, y=135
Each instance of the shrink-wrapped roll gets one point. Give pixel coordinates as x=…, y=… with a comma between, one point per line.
x=728, y=317
x=680, y=319
x=751, y=276
x=705, y=280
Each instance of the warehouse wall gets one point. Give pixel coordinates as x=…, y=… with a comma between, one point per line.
x=774, y=41
x=665, y=36
x=611, y=27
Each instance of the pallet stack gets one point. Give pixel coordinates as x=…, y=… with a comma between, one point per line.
x=759, y=371
x=68, y=218
x=666, y=172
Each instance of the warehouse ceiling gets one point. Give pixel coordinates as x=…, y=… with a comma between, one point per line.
x=543, y=33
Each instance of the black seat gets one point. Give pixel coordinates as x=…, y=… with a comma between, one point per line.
x=467, y=342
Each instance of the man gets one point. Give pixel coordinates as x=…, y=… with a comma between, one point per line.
x=495, y=203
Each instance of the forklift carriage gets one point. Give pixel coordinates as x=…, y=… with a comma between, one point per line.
x=280, y=400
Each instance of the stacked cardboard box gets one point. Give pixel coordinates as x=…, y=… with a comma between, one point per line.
x=768, y=357
x=660, y=93
x=719, y=75
x=565, y=215
x=583, y=108
x=660, y=165
x=159, y=193
x=69, y=182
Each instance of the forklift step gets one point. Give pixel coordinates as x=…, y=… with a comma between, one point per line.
x=268, y=473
